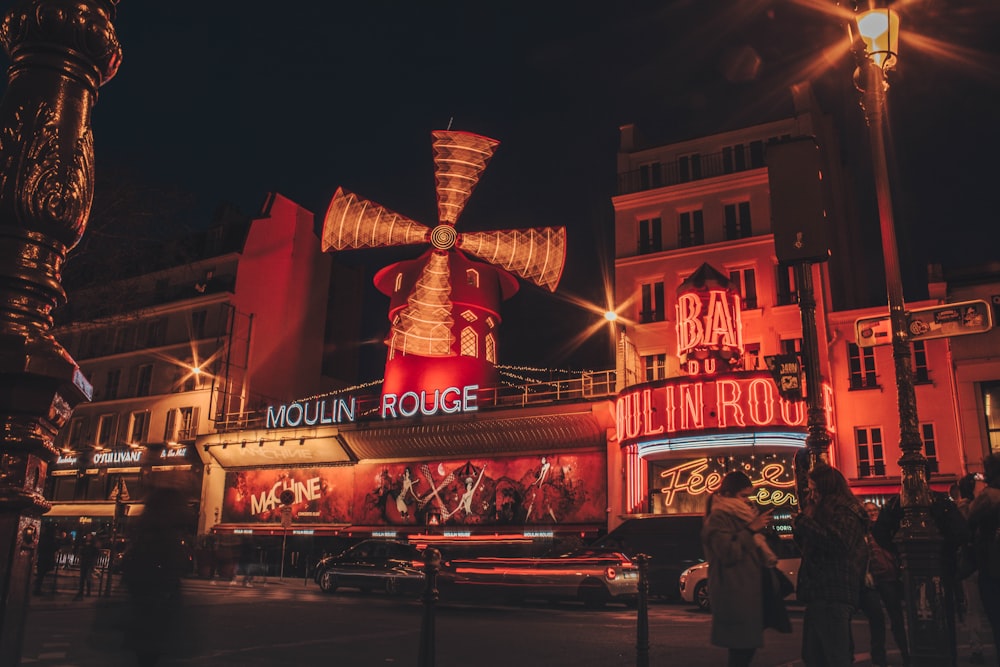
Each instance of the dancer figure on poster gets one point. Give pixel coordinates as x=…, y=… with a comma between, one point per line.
x=465, y=503
x=407, y=483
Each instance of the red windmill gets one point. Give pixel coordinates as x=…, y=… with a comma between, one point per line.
x=444, y=305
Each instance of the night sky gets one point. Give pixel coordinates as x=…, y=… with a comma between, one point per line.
x=229, y=100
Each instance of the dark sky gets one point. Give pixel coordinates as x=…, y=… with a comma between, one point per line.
x=230, y=100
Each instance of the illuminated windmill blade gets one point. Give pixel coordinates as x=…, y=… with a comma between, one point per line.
x=424, y=326
x=460, y=158
x=352, y=222
x=537, y=254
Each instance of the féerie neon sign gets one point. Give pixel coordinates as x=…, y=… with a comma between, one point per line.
x=773, y=484
x=734, y=401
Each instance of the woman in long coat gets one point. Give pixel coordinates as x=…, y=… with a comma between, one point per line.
x=737, y=555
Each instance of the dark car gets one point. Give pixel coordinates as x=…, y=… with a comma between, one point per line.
x=672, y=542
x=384, y=565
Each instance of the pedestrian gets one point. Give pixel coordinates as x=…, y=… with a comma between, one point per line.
x=984, y=520
x=830, y=530
x=971, y=614
x=46, y=558
x=152, y=568
x=882, y=594
x=87, y=557
x=737, y=554
x=954, y=531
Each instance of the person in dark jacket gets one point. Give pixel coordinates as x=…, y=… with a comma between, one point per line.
x=46, y=558
x=737, y=554
x=984, y=519
x=89, y=552
x=830, y=530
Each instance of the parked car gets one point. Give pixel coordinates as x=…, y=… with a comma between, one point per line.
x=385, y=565
x=594, y=577
x=693, y=582
x=672, y=542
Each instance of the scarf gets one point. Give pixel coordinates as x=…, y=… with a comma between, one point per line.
x=739, y=508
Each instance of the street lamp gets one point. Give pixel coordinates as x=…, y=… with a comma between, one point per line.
x=918, y=539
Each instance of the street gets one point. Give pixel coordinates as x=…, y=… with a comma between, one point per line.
x=292, y=622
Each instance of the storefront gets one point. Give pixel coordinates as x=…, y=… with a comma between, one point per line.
x=535, y=472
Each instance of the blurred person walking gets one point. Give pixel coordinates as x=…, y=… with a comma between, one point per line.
x=738, y=558
x=46, y=558
x=830, y=530
x=882, y=594
x=87, y=555
x=152, y=570
x=970, y=612
x=984, y=521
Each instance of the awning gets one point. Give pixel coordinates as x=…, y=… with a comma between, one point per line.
x=72, y=509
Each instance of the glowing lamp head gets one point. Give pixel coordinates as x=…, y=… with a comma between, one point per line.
x=879, y=30
x=611, y=316
x=196, y=370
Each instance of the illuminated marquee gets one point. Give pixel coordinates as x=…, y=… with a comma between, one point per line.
x=312, y=413
x=736, y=401
x=774, y=482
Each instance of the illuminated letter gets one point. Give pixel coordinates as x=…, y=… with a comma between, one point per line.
x=455, y=405
x=761, y=399
x=693, y=368
x=647, y=414
x=719, y=321
x=689, y=329
x=786, y=408
x=416, y=404
x=628, y=417
x=324, y=418
x=434, y=405
x=710, y=366
x=389, y=405
x=348, y=409
x=692, y=405
x=722, y=404
x=275, y=419
x=315, y=415
x=671, y=408
x=288, y=415
x=469, y=398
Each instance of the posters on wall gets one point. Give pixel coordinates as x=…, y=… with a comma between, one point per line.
x=544, y=490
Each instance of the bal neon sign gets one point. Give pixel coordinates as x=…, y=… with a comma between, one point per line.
x=736, y=401
x=709, y=329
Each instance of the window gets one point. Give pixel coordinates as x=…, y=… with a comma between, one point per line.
x=650, y=175
x=650, y=236
x=470, y=343
x=398, y=285
x=791, y=346
x=143, y=380
x=691, y=229
x=138, y=426
x=734, y=159
x=491, y=348
x=871, y=456
x=198, y=318
x=76, y=430
x=744, y=281
x=652, y=303
x=756, y=154
x=154, y=332
x=111, y=384
x=106, y=427
x=991, y=412
x=920, y=371
x=656, y=366
x=751, y=357
x=472, y=277
x=787, y=289
x=182, y=424
x=738, y=221
x=689, y=167
x=930, y=446
x=861, y=362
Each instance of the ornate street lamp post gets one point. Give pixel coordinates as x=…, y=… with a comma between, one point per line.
x=60, y=51
x=918, y=539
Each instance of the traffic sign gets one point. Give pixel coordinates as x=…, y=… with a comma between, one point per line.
x=950, y=319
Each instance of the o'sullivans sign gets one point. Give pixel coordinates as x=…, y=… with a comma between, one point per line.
x=320, y=412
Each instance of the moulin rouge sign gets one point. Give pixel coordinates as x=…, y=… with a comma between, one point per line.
x=320, y=412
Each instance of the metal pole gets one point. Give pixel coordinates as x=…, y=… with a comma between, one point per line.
x=642, y=613
x=918, y=539
x=281, y=570
x=61, y=52
x=114, y=535
x=817, y=438
x=432, y=563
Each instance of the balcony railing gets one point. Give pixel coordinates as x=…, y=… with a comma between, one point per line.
x=708, y=165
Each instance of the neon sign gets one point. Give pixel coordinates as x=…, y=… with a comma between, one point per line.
x=312, y=413
x=737, y=401
x=695, y=478
x=449, y=401
x=709, y=323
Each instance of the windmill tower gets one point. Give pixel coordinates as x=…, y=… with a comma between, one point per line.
x=445, y=305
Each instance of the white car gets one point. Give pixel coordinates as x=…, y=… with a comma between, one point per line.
x=693, y=582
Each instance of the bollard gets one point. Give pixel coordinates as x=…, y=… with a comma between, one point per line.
x=642, y=615
x=432, y=562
